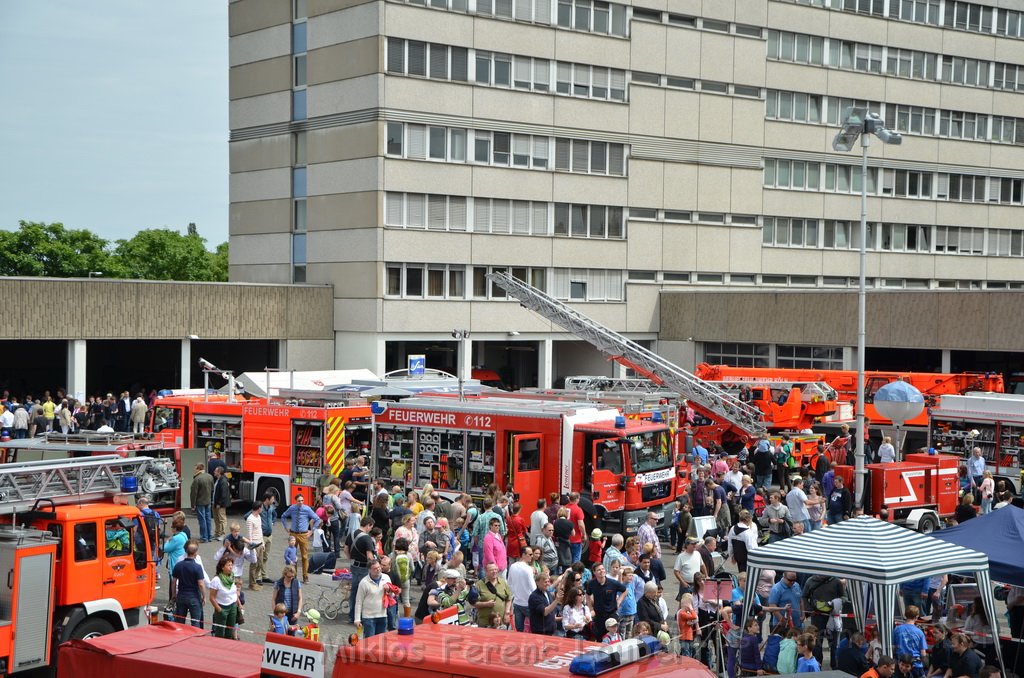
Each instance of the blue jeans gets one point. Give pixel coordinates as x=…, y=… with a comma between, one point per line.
x=807, y=525
x=358, y=574
x=520, y=613
x=189, y=606
x=205, y=518
x=393, y=618
x=577, y=551
x=763, y=480
x=374, y=626
x=834, y=518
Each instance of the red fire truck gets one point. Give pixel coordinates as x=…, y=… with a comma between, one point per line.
x=281, y=444
x=918, y=492
x=993, y=422
x=932, y=385
x=533, y=447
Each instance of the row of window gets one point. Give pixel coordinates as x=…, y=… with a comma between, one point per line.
x=815, y=108
x=448, y=281
x=898, y=183
x=532, y=74
x=505, y=149
x=787, y=356
x=905, y=63
x=498, y=215
x=888, y=237
x=592, y=16
x=956, y=14
x=443, y=62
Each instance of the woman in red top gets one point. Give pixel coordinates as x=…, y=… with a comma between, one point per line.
x=516, y=531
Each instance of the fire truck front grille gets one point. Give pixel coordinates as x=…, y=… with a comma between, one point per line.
x=656, y=491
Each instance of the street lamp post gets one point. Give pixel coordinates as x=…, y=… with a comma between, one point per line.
x=860, y=123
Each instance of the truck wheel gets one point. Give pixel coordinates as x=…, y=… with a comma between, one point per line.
x=92, y=628
x=273, y=486
x=928, y=525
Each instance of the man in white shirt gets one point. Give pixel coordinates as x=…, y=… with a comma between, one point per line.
x=7, y=421
x=254, y=535
x=687, y=564
x=538, y=519
x=797, y=503
x=520, y=581
x=886, y=452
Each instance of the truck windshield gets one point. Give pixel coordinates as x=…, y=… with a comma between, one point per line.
x=166, y=417
x=649, y=452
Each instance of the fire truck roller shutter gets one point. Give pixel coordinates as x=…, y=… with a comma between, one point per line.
x=335, y=451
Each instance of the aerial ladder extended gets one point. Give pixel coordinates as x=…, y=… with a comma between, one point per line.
x=26, y=486
x=704, y=397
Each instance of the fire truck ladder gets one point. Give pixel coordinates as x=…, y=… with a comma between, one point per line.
x=584, y=382
x=28, y=485
x=715, y=401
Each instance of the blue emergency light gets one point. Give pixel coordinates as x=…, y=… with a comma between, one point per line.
x=620, y=422
x=603, y=659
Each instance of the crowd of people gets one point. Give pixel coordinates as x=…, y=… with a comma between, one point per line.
x=552, y=571
x=62, y=413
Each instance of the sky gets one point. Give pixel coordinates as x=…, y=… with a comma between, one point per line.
x=114, y=115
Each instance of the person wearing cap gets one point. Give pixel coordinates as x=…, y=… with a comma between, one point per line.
x=370, y=614
x=595, y=550
x=611, y=635
x=444, y=595
x=687, y=564
x=312, y=630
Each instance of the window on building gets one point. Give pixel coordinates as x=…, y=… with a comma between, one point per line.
x=736, y=355
x=809, y=357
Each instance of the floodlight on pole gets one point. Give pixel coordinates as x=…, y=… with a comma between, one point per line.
x=861, y=123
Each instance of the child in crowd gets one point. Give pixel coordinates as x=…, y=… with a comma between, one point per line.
x=612, y=636
x=686, y=618
x=279, y=621
x=806, y=662
x=787, y=652
x=402, y=564
x=595, y=552
x=291, y=553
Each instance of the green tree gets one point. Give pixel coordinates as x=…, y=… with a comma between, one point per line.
x=166, y=254
x=50, y=250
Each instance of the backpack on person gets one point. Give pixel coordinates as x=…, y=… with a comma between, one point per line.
x=404, y=567
x=781, y=456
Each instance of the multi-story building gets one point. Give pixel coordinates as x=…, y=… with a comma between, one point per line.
x=610, y=153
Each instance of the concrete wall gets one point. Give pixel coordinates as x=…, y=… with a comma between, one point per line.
x=932, y=319
x=137, y=309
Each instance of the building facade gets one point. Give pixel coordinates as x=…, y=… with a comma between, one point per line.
x=609, y=153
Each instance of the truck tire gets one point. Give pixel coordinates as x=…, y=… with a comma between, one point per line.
x=928, y=525
x=274, y=486
x=92, y=627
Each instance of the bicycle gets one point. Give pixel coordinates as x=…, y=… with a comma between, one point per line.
x=333, y=596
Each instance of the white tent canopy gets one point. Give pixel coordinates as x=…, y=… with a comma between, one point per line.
x=874, y=556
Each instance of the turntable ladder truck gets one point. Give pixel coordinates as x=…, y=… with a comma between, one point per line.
x=705, y=398
x=77, y=556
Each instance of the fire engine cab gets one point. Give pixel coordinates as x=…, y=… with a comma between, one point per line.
x=77, y=557
x=533, y=447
